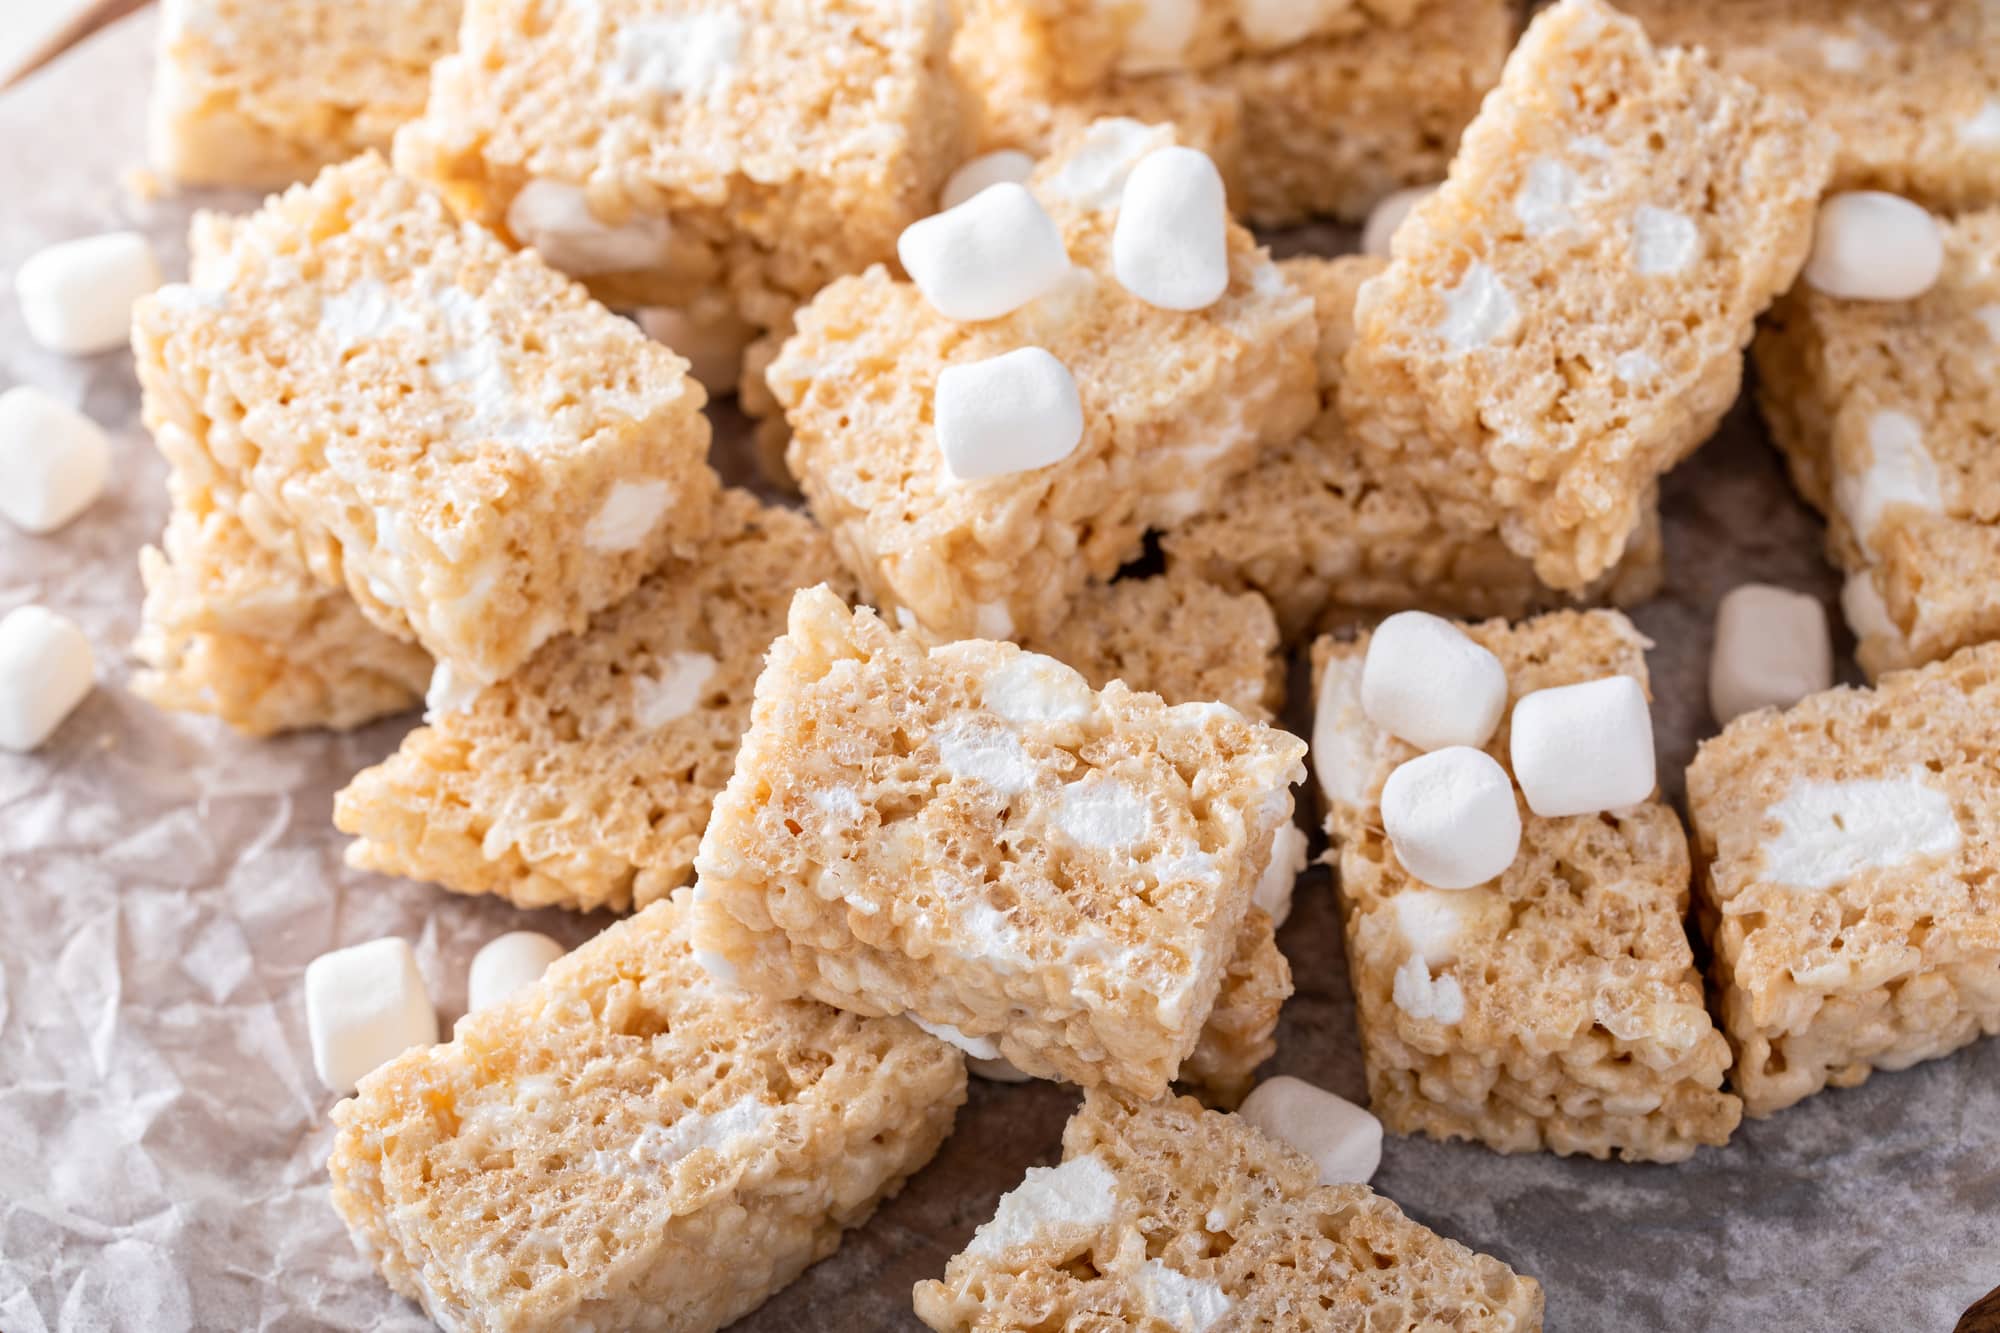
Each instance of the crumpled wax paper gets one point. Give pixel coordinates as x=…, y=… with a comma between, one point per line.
x=163, y=884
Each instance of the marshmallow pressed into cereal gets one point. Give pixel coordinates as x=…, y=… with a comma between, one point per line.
x=1170, y=247
x=505, y=964
x=46, y=669
x=987, y=257
x=1280, y=878
x=1872, y=246
x=1771, y=649
x=1003, y=164
x=1383, y=219
x=365, y=1005
x=53, y=460
x=1579, y=749
x=1425, y=682
x=77, y=296
x=1450, y=817
x=1343, y=1140
x=557, y=222
x=1010, y=413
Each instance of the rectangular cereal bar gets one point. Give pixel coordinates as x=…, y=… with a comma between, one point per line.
x=262, y=93
x=968, y=833
x=1911, y=91
x=1889, y=418
x=1558, y=1006
x=1174, y=404
x=584, y=780
x=626, y=1144
x=1848, y=887
x=1328, y=538
x=454, y=433
x=1564, y=320
x=1166, y=1216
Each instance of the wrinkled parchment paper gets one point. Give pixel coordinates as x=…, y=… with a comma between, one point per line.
x=163, y=885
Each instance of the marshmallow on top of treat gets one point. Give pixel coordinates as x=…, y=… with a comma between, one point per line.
x=365, y=1005
x=77, y=296
x=46, y=669
x=1772, y=649
x=1343, y=1140
x=1426, y=682
x=1872, y=246
x=987, y=257
x=1170, y=247
x=1582, y=749
x=1387, y=215
x=507, y=963
x=53, y=460
x=1009, y=413
x=1451, y=818
x=1001, y=165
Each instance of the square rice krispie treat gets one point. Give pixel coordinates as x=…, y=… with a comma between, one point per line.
x=584, y=780
x=228, y=628
x=1564, y=320
x=627, y=1139
x=969, y=834
x=1911, y=91
x=1889, y=417
x=1848, y=887
x=1166, y=1216
x=1327, y=538
x=458, y=435
x=1174, y=404
x=662, y=148
x=262, y=93
x=1558, y=1006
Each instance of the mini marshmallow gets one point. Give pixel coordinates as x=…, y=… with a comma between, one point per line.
x=1387, y=215
x=713, y=344
x=1009, y=413
x=1343, y=1140
x=1274, y=888
x=995, y=1071
x=1170, y=247
x=1451, y=818
x=77, y=297
x=1872, y=246
x=987, y=257
x=1426, y=682
x=1003, y=166
x=365, y=1005
x=1580, y=749
x=506, y=964
x=555, y=219
x=46, y=669
x=53, y=460
x=1772, y=649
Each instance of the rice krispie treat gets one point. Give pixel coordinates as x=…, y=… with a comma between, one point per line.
x=661, y=148
x=1556, y=1006
x=1911, y=91
x=1847, y=890
x=626, y=1140
x=585, y=779
x=456, y=434
x=1166, y=1216
x=261, y=94
x=1888, y=417
x=1173, y=403
x=1327, y=538
x=229, y=629
x=969, y=834
x=1564, y=319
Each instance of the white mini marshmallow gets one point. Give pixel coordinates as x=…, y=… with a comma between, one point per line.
x=1872, y=246
x=1288, y=861
x=507, y=963
x=1580, y=749
x=555, y=219
x=713, y=344
x=996, y=1071
x=1388, y=215
x=365, y=1005
x=1428, y=683
x=53, y=460
x=1009, y=413
x=77, y=297
x=1772, y=649
x=46, y=669
x=987, y=257
x=1002, y=166
x=1451, y=818
x=1343, y=1140
x=1170, y=247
